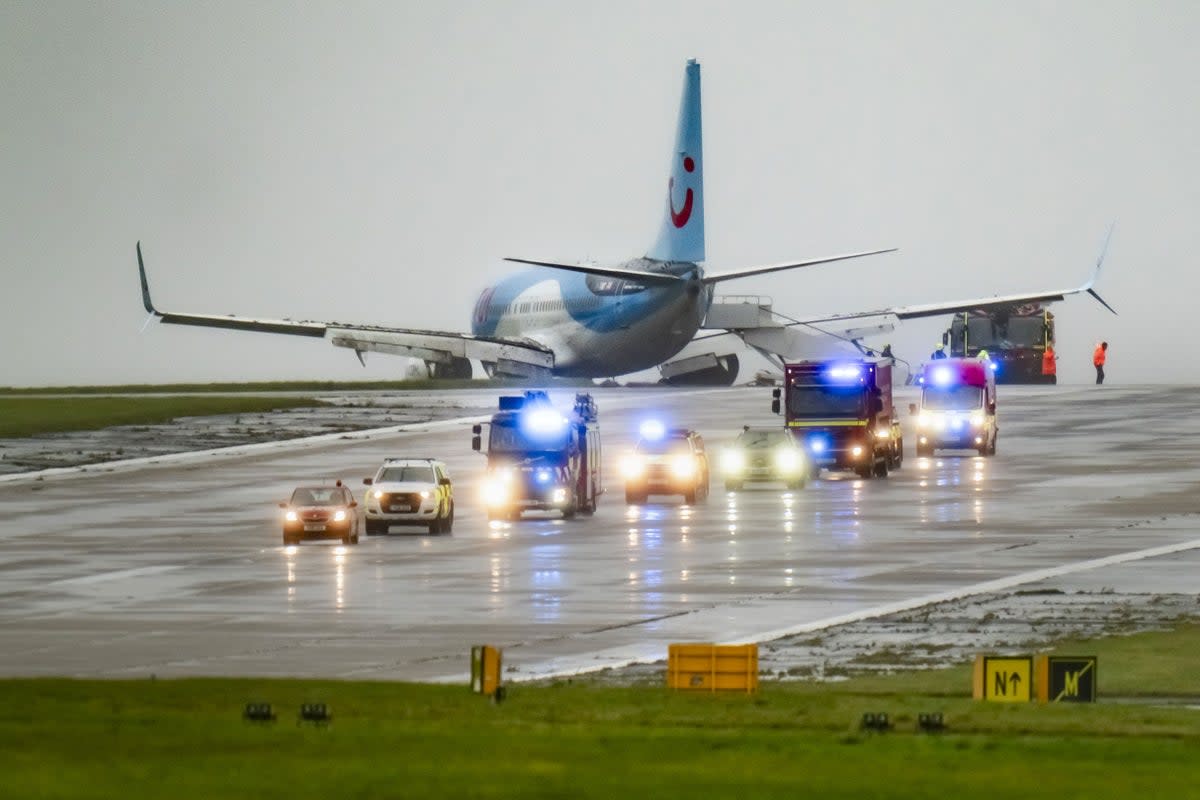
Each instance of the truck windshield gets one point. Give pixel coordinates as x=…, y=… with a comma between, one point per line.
x=509, y=438
x=996, y=335
x=952, y=398
x=825, y=401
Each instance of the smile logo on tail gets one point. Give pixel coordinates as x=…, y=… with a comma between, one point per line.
x=681, y=217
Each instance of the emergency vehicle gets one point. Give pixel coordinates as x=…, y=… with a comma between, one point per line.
x=842, y=413
x=958, y=406
x=541, y=459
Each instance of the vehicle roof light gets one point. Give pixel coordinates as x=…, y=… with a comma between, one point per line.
x=942, y=376
x=543, y=421
x=845, y=372
x=652, y=429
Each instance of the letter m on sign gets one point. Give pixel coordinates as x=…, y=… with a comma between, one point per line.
x=1071, y=684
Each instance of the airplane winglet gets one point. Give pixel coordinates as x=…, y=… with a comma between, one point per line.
x=1088, y=287
x=145, y=284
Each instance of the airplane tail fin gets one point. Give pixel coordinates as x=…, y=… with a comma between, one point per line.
x=681, y=237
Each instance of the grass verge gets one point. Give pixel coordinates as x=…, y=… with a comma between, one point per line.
x=29, y=416
x=84, y=739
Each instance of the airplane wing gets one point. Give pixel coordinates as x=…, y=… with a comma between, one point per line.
x=935, y=309
x=512, y=356
x=759, y=270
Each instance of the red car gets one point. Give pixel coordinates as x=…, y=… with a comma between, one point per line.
x=320, y=512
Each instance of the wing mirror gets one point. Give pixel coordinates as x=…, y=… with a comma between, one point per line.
x=912, y=408
x=774, y=401
x=368, y=481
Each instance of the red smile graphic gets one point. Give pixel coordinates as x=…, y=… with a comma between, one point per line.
x=681, y=217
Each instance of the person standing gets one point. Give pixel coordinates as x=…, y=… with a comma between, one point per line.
x=1049, y=367
x=938, y=352
x=1098, y=358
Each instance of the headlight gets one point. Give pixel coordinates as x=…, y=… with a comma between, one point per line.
x=378, y=494
x=856, y=451
x=787, y=460
x=559, y=496
x=923, y=420
x=291, y=516
x=683, y=466
x=883, y=433
x=339, y=515
x=495, y=492
x=633, y=466
x=424, y=495
x=733, y=462
x=977, y=420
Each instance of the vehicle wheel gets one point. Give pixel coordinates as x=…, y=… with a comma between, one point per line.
x=634, y=498
x=372, y=527
x=992, y=449
x=448, y=525
x=796, y=484
x=863, y=472
x=881, y=467
x=589, y=507
x=288, y=541
x=732, y=486
x=569, y=512
x=690, y=497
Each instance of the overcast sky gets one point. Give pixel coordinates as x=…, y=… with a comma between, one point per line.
x=373, y=163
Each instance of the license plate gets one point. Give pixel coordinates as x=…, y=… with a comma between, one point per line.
x=399, y=508
x=314, y=526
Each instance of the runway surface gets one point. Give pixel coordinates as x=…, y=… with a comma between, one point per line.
x=177, y=569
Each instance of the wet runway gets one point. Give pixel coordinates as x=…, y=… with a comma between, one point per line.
x=177, y=568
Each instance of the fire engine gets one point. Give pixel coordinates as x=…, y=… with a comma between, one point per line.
x=842, y=413
x=541, y=459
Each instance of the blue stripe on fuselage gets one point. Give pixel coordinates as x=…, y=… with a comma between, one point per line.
x=601, y=313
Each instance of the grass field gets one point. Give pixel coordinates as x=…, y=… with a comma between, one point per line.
x=294, y=386
x=29, y=416
x=578, y=739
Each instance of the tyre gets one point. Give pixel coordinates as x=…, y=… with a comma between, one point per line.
x=992, y=449
x=448, y=525
x=288, y=541
x=373, y=527
x=863, y=472
x=689, y=497
x=881, y=467
x=732, y=486
x=796, y=484
x=634, y=498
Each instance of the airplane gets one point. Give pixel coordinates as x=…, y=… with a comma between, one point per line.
x=579, y=320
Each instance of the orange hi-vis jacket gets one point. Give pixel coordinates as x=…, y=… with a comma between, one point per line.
x=1098, y=357
x=1048, y=365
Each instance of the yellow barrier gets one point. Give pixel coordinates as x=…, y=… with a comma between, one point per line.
x=712, y=667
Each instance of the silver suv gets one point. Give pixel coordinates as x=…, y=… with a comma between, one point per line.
x=410, y=491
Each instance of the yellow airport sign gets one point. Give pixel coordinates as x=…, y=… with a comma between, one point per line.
x=1066, y=679
x=1003, y=679
x=712, y=667
x=485, y=669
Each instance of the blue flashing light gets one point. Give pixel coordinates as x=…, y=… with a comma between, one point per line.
x=543, y=476
x=845, y=373
x=818, y=444
x=943, y=376
x=543, y=422
x=994, y=366
x=652, y=430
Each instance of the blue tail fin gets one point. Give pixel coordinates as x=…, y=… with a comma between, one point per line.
x=681, y=237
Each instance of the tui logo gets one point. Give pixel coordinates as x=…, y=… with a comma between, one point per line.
x=681, y=217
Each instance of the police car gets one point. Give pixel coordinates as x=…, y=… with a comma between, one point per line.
x=410, y=491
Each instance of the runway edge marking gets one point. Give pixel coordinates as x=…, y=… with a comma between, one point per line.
x=617, y=658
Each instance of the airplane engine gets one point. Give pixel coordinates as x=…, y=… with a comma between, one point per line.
x=707, y=370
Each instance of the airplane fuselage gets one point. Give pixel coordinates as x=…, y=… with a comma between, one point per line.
x=597, y=326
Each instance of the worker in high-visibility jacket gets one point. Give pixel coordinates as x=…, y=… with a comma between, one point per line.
x=1049, y=367
x=1098, y=358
